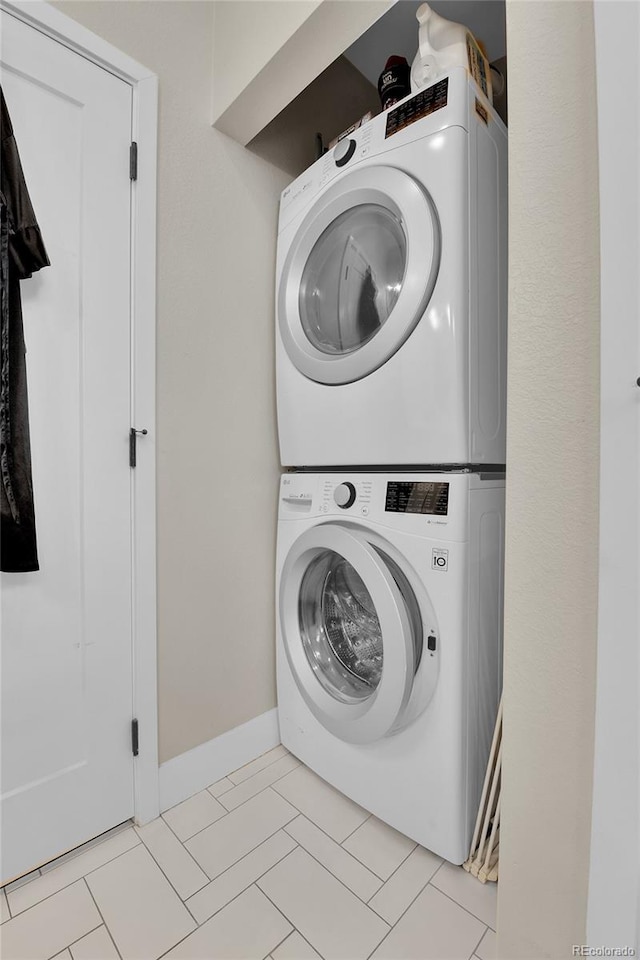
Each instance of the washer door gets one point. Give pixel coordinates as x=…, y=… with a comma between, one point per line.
x=359, y=274
x=352, y=632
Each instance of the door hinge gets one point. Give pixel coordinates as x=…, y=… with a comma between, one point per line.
x=133, y=161
x=134, y=736
x=133, y=445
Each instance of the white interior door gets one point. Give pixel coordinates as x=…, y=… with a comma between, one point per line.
x=67, y=766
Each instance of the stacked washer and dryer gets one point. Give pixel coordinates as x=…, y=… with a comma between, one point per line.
x=391, y=302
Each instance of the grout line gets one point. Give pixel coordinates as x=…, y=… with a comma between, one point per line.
x=200, y=926
x=341, y=882
x=264, y=789
x=190, y=911
x=166, y=875
x=209, y=791
x=366, y=820
x=348, y=852
x=228, y=812
x=473, y=952
x=252, y=882
x=378, y=945
x=249, y=779
x=88, y=933
x=384, y=879
x=227, y=776
x=282, y=914
x=334, y=875
x=394, y=925
x=417, y=847
x=268, y=837
x=266, y=766
x=338, y=880
x=103, y=920
x=198, y=832
x=161, y=817
x=303, y=814
x=280, y=942
x=461, y=905
x=20, y=913
x=410, y=904
x=353, y=855
x=186, y=839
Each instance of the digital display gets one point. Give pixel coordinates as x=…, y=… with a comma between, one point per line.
x=407, y=496
x=424, y=103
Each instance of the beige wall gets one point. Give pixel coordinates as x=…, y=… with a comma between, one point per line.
x=552, y=479
x=291, y=43
x=329, y=105
x=248, y=33
x=217, y=450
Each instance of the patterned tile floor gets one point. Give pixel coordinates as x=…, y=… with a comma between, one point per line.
x=269, y=862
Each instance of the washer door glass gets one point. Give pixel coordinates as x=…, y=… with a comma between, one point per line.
x=352, y=279
x=340, y=629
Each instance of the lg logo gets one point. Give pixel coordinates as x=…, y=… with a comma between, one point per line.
x=439, y=559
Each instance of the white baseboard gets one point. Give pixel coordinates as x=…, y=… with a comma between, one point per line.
x=196, y=769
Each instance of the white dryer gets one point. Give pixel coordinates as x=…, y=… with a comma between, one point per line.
x=389, y=641
x=391, y=290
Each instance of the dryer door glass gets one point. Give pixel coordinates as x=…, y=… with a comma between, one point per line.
x=352, y=279
x=340, y=628
x=359, y=270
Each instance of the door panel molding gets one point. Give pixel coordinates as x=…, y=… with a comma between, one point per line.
x=144, y=84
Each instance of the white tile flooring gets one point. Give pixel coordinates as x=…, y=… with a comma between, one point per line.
x=269, y=862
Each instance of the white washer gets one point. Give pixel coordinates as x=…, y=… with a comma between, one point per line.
x=391, y=290
x=389, y=641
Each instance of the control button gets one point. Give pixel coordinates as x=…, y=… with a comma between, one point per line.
x=431, y=643
x=345, y=495
x=365, y=511
x=343, y=152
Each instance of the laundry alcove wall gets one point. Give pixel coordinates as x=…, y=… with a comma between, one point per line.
x=553, y=419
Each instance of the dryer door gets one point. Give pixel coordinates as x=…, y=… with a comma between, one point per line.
x=359, y=275
x=352, y=631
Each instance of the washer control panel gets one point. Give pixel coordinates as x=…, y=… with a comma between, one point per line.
x=352, y=495
x=345, y=495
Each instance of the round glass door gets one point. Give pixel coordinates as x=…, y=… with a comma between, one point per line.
x=358, y=274
x=339, y=628
x=352, y=279
x=352, y=631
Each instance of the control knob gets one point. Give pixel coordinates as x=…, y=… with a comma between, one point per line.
x=343, y=152
x=345, y=495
